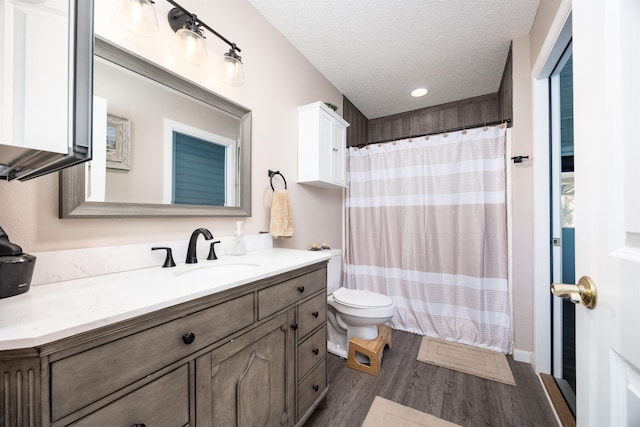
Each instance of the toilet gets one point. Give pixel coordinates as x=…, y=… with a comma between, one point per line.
x=350, y=312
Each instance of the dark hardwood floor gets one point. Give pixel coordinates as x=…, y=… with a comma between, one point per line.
x=454, y=396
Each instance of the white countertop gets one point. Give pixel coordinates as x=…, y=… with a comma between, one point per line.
x=58, y=310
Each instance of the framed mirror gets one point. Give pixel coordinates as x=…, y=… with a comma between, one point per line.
x=163, y=146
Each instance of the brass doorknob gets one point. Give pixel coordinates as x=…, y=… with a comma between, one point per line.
x=584, y=292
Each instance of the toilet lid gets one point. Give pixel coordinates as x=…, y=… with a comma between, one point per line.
x=361, y=299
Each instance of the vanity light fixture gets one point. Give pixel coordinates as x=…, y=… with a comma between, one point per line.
x=189, y=43
x=139, y=17
x=191, y=48
x=417, y=93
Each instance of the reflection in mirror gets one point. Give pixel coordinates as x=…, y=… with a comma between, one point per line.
x=185, y=154
x=162, y=146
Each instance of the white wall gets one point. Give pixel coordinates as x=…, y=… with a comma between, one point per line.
x=522, y=201
x=278, y=79
x=531, y=289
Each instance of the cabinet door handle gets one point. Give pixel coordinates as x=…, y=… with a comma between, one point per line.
x=294, y=326
x=315, y=314
x=188, y=338
x=138, y=425
x=316, y=351
x=315, y=387
x=301, y=289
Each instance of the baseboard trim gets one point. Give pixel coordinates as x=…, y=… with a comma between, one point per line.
x=522, y=356
x=564, y=414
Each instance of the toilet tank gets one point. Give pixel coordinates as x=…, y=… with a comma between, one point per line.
x=334, y=271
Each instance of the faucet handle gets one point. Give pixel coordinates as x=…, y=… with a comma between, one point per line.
x=168, y=261
x=212, y=251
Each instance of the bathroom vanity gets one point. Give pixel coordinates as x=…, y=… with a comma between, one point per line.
x=241, y=342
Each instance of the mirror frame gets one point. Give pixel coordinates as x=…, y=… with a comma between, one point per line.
x=73, y=203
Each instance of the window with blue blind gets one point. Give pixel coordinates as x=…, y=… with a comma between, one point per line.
x=199, y=171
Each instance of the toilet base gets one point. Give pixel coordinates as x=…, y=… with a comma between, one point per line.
x=365, y=332
x=373, y=349
x=337, y=349
x=336, y=337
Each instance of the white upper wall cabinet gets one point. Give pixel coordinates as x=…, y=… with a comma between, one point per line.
x=45, y=86
x=322, y=145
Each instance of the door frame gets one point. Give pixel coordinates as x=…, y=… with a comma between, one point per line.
x=556, y=40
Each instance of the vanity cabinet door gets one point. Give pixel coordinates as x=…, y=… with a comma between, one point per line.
x=248, y=381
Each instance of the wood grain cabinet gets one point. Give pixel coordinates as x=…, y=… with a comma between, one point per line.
x=322, y=142
x=311, y=353
x=249, y=356
x=244, y=382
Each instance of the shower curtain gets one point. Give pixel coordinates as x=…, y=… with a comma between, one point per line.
x=426, y=225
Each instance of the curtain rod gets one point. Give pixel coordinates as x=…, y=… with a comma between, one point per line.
x=383, y=141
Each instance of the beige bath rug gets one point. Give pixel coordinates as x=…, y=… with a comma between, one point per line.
x=480, y=362
x=385, y=413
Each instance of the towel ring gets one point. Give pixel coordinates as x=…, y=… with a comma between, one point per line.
x=271, y=174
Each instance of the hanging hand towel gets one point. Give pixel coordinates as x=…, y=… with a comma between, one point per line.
x=281, y=218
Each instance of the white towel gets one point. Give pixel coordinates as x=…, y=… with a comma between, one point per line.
x=281, y=218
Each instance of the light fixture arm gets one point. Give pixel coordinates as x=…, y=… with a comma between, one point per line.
x=181, y=16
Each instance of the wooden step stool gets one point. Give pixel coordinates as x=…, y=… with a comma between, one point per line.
x=372, y=349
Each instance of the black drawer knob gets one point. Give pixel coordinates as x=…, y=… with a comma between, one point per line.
x=294, y=326
x=188, y=338
x=315, y=314
x=138, y=425
x=301, y=289
x=316, y=351
x=315, y=387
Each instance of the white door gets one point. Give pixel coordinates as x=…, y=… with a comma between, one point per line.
x=606, y=49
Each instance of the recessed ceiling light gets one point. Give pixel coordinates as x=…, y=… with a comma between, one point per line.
x=419, y=92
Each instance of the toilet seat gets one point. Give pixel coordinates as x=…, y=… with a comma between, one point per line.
x=361, y=299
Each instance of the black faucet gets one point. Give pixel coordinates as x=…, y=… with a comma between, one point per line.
x=191, y=251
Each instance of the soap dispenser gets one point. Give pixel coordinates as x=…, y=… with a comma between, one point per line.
x=238, y=246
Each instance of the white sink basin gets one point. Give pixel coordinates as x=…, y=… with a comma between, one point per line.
x=214, y=270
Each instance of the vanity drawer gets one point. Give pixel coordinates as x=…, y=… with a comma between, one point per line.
x=312, y=351
x=280, y=296
x=86, y=377
x=312, y=387
x=164, y=401
x=312, y=314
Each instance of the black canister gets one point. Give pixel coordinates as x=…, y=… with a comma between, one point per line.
x=16, y=268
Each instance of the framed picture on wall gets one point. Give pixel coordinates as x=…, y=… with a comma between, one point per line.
x=118, y=142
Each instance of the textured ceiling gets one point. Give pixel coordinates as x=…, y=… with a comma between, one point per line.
x=377, y=51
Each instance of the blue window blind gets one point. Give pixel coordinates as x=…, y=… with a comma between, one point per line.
x=199, y=171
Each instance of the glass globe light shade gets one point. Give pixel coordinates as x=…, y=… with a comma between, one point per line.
x=231, y=70
x=138, y=17
x=190, y=47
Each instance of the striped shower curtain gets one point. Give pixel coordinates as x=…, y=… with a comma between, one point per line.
x=426, y=225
